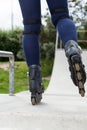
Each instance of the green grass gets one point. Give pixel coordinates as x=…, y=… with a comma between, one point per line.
x=20, y=78
x=4, y=81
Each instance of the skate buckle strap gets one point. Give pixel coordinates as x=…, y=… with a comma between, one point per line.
x=27, y=22
x=31, y=32
x=59, y=10
x=32, y=22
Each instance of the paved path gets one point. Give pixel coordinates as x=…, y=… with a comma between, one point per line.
x=62, y=108
x=54, y=112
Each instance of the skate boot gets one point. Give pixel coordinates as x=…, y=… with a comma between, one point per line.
x=35, y=82
x=76, y=67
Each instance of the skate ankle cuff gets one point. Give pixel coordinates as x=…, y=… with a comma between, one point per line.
x=72, y=48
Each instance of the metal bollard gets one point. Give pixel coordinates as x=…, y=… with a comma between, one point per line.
x=11, y=70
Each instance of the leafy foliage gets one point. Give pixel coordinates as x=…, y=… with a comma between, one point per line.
x=11, y=41
x=78, y=11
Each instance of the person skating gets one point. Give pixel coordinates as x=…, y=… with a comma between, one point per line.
x=31, y=12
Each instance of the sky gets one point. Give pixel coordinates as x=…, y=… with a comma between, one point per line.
x=9, y=6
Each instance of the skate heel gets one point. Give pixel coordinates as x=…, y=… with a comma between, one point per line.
x=35, y=83
x=36, y=98
x=79, y=72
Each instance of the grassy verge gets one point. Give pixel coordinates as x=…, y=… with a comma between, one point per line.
x=21, y=79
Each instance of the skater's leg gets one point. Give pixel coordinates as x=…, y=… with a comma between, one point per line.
x=67, y=32
x=60, y=18
x=32, y=22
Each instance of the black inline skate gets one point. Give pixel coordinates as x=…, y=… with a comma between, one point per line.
x=35, y=82
x=76, y=67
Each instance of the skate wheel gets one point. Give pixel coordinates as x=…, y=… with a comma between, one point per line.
x=79, y=76
x=33, y=100
x=77, y=67
x=81, y=85
x=82, y=92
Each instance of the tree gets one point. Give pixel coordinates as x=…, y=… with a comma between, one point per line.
x=78, y=11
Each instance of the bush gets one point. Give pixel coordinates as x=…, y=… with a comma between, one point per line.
x=47, y=51
x=11, y=41
x=20, y=55
x=47, y=66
